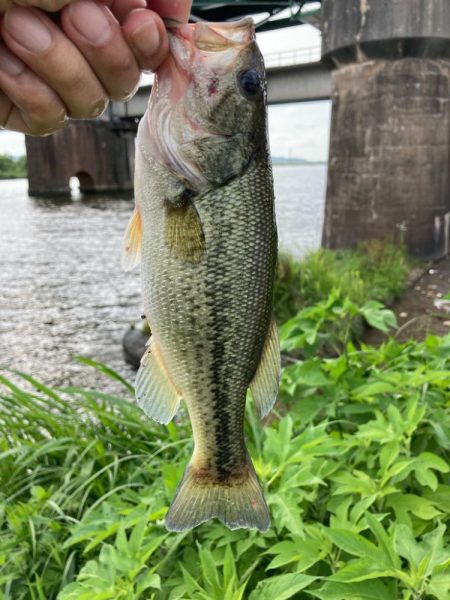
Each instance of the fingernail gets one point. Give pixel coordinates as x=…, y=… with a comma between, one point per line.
x=27, y=29
x=146, y=38
x=91, y=21
x=9, y=63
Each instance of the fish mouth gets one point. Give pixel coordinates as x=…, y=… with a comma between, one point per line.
x=195, y=46
x=217, y=45
x=215, y=37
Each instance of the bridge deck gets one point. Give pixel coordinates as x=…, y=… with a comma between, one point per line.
x=290, y=83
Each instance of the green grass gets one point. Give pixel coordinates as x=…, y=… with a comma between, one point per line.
x=353, y=460
x=374, y=271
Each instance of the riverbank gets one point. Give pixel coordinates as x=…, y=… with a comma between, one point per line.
x=424, y=308
x=418, y=294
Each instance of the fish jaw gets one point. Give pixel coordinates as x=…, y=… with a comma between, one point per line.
x=210, y=47
x=199, y=50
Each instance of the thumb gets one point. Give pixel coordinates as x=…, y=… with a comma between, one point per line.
x=146, y=35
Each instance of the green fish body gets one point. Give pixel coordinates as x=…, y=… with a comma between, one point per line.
x=205, y=225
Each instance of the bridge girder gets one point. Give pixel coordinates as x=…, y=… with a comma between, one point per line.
x=211, y=10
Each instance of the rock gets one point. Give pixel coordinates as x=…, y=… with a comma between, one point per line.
x=134, y=342
x=442, y=304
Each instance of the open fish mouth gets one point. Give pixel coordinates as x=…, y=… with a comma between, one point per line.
x=217, y=37
x=193, y=46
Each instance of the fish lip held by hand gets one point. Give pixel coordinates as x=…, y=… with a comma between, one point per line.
x=204, y=231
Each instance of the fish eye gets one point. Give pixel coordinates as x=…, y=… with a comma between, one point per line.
x=250, y=83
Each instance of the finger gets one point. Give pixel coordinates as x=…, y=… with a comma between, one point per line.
x=11, y=117
x=147, y=37
x=6, y=107
x=97, y=34
x=27, y=104
x=47, y=5
x=45, y=49
x=122, y=8
x=177, y=10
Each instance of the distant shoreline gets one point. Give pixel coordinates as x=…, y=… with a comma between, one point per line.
x=13, y=167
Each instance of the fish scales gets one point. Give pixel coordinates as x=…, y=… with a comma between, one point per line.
x=209, y=317
x=208, y=243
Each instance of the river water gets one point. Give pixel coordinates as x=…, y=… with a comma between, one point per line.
x=63, y=292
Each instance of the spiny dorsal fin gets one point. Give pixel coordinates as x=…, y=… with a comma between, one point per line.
x=264, y=385
x=131, y=249
x=183, y=229
x=156, y=394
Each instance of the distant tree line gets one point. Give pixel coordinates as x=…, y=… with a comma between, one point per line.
x=12, y=167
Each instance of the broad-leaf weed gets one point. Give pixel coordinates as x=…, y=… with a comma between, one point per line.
x=354, y=462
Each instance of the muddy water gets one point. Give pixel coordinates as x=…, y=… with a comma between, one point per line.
x=62, y=290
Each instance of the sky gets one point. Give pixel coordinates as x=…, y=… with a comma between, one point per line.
x=298, y=130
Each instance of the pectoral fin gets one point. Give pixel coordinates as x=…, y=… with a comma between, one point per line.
x=183, y=230
x=131, y=249
x=155, y=392
x=264, y=385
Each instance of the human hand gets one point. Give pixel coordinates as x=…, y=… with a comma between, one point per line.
x=71, y=62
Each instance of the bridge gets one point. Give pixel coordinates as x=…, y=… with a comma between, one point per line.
x=388, y=172
x=267, y=14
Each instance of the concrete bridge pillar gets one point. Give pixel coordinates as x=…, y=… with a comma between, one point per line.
x=100, y=153
x=389, y=164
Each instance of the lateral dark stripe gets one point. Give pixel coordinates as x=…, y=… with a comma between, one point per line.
x=221, y=398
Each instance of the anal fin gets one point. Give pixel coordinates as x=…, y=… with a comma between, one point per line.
x=265, y=383
x=155, y=392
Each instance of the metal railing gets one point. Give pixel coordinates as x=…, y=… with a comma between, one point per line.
x=293, y=56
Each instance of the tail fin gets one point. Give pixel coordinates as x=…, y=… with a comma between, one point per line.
x=237, y=502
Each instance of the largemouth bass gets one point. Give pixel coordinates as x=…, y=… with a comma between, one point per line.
x=204, y=227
